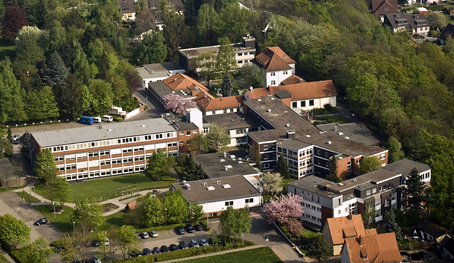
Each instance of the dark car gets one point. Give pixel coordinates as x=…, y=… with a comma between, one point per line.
x=190, y=228
x=76, y=261
x=156, y=250
x=165, y=249
x=147, y=251
x=203, y=242
x=96, y=243
x=41, y=221
x=212, y=241
x=173, y=247
x=198, y=227
x=180, y=230
x=183, y=245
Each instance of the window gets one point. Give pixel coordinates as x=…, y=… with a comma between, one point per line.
x=273, y=74
x=339, y=212
x=303, y=103
x=357, y=161
x=285, y=72
x=273, y=82
x=266, y=165
x=368, y=192
x=188, y=133
x=374, y=190
x=294, y=104
x=249, y=200
x=311, y=102
x=181, y=133
x=240, y=54
x=229, y=203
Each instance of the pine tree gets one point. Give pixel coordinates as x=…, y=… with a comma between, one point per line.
x=391, y=224
x=282, y=167
x=56, y=71
x=414, y=190
x=333, y=170
x=226, y=88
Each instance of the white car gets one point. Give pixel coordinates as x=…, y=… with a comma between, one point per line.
x=106, y=241
x=153, y=233
x=145, y=235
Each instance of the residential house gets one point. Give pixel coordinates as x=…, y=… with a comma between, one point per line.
x=449, y=11
x=304, y=96
x=158, y=71
x=110, y=149
x=380, y=8
x=414, y=23
x=157, y=21
x=244, y=53
x=447, y=247
x=447, y=32
x=371, y=248
x=222, y=105
x=237, y=124
x=429, y=231
x=215, y=195
x=276, y=64
x=337, y=230
x=127, y=10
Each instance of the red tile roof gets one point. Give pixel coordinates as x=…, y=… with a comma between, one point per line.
x=374, y=249
x=181, y=82
x=132, y=205
x=342, y=228
x=274, y=59
x=299, y=91
x=293, y=79
x=223, y=103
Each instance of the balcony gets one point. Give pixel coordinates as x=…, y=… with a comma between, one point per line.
x=378, y=218
x=377, y=207
x=393, y=202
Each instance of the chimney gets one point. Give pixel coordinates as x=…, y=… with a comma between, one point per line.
x=175, y=79
x=251, y=88
x=349, y=217
x=291, y=134
x=360, y=241
x=270, y=89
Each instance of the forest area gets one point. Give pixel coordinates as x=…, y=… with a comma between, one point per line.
x=72, y=58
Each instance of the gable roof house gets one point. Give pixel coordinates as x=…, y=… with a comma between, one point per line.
x=276, y=64
x=373, y=248
x=337, y=230
x=380, y=8
x=127, y=9
x=222, y=105
x=415, y=23
x=447, y=247
x=447, y=32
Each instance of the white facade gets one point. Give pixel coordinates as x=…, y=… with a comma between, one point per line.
x=274, y=78
x=129, y=16
x=243, y=58
x=298, y=105
x=224, y=111
x=148, y=77
x=213, y=208
x=300, y=162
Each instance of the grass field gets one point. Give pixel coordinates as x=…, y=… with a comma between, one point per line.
x=61, y=221
x=115, y=220
x=7, y=51
x=262, y=255
x=331, y=119
x=105, y=188
x=3, y=259
x=28, y=197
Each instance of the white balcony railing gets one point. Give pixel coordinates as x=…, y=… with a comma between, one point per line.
x=393, y=202
x=378, y=207
x=378, y=218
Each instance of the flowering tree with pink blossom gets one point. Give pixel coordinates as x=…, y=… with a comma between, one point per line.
x=286, y=210
x=178, y=104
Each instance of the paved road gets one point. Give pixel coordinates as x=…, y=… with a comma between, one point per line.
x=12, y=203
x=154, y=110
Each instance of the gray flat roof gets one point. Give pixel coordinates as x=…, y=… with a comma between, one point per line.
x=162, y=90
x=214, y=168
x=239, y=188
x=90, y=133
x=311, y=184
x=231, y=121
x=405, y=166
x=196, y=51
x=158, y=70
x=357, y=132
x=293, y=144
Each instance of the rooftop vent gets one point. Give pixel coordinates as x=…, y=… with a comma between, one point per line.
x=210, y=188
x=222, y=160
x=109, y=129
x=354, y=180
x=143, y=125
x=232, y=156
x=347, y=138
x=226, y=186
x=225, y=154
x=287, y=125
x=340, y=184
x=232, y=120
x=291, y=134
x=259, y=100
x=268, y=110
x=227, y=167
x=188, y=186
x=240, y=162
x=218, y=182
x=308, y=136
x=340, y=133
x=328, y=142
x=205, y=183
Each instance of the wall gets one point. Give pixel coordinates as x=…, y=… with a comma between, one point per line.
x=278, y=77
x=318, y=103
x=219, y=206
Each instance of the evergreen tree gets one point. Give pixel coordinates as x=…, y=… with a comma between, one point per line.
x=319, y=249
x=368, y=215
x=11, y=92
x=173, y=30
x=391, y=224
x=70, y=98
x=414, y=190
x=333, y=170
x=82, y=68
x=56, y=71
x=10, y=135
x=282, y=167
x=152, y=49
x=226, y=88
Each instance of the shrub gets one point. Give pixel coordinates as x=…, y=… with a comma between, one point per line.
x=118, y=118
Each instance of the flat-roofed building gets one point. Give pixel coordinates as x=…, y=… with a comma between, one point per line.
x=216, y=165
x=109, y=149
x=216, y=194
x=158, y=71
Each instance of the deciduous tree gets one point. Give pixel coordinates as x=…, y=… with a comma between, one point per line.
x=272, y=182
x=37, y=252
x=368, y=215
x=437, y=20
x=11, y=92
x=369, y=164
x=177, y=209
x=333, y=170
x=41, y=104
x=283, y=208
x=127, y=238
x=62, y=191
x=207, y=24
x=13, y=231
x=282, y=167
x=87, y=216
x=46, y=170
x=152, y=48
x=177, y=104
x=226, y=62
x=206, y=64
x=234, y=223
x=217, y=138
x=151, y=210
x=13, y=21
x=395, y=150
x=101, y=94
x=195, y=211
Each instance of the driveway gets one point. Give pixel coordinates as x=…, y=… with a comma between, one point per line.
x=12, y=203
x=154, y=110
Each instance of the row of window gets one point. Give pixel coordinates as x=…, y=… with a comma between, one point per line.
x=113, y=142
x=245, y=53
x=244, y=61
x=302, y=104
x=312, y=217
x=313, y=207
x=95, y=174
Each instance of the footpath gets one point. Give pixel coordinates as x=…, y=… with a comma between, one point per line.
x=121, y=202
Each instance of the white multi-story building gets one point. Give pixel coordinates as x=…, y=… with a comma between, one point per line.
x=276, y=64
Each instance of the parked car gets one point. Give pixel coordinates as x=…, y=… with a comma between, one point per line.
x=147, y=251
x=190, y=228
x=212, y=241
x=203, y=242
x=16, y=137
x=156, y=250
x=41, y=221
x=180, y=230
x=145, y=235
x=198, y=227
x=86, y=120
x=96, y=243
x=107, y=118
x=138, y=235
x=164, y=249
x=97, y=119
x=153, y=233
x=95, y=259
x=173, y=247
x=106, y=241
x=183, y=245
x=194, y=243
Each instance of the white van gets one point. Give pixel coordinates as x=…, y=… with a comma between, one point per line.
x=107, y=118
x=97, y=119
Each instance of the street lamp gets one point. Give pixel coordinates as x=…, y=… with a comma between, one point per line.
x=74, y=230
x=34, y=193
x=208, y=215
x=55, y=215
x=166, y=215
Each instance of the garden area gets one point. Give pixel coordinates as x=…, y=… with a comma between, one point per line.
x=107, y=188
x=263, y=255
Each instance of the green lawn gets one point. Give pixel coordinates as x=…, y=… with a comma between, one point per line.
x=331, y=119
x=28, y=197
x=7, y=51
x=262, y=255
x=106, y=188
x=115, y=220
x=61, y=221
x=3, y=259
